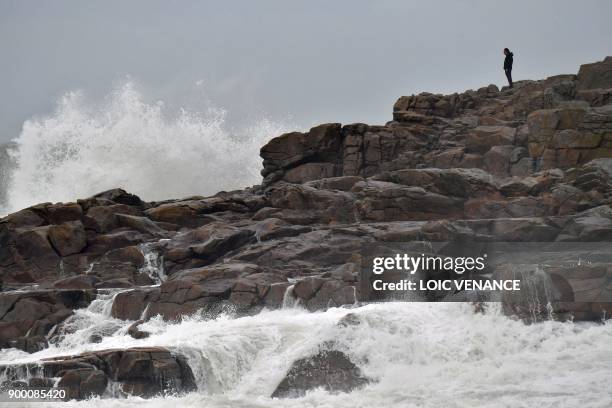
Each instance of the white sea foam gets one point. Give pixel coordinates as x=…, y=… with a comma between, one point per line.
x=85, y=147
x=421, y=354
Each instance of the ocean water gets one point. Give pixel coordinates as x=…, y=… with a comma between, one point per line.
x=420, y=354
x=149, y=149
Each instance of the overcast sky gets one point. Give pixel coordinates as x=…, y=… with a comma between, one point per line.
x=311, y=60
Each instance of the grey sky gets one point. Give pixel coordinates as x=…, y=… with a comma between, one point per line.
x=315, y=60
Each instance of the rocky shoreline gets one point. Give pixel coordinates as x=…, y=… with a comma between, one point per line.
x=529, y=164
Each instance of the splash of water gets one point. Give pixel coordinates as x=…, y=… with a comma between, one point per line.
x=6, y=167
x=289, y=298
x=84, y=148
x=153, y=264
x=88, y=325
x=421, y=354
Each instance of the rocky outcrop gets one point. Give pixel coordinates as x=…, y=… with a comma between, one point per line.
x=144, y=372
x=331, y=370
x=27, y=317
x=553, y=123
x=559, y=292
x=242, y=285
x=528, y=164
x=597, y=75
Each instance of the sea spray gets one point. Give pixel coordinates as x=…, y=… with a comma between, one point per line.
x=419, y=354
x=7, y=166
x=84, y=148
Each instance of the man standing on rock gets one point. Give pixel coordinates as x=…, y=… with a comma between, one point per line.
x=508, y=65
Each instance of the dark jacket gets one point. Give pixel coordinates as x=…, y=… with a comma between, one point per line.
x=508, y=61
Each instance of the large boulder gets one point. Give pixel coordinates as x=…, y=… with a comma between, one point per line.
x=144, y=372
x=64, y=212
x=596, y=75
x=27, y=315
x=482, y=138
x=291, y=149
x=594, y=175
x=497, y=160
x=103, y=218
x=202, y=246
x=83, y=383
x=331, y=370
x=120, y=268
x=68, y=238
x=34, y=253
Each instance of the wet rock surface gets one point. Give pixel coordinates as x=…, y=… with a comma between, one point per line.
x=28, y=316
x=528, y=164
x=331, y=370
x=144, y=372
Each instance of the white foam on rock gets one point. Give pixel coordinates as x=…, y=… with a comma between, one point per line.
x=421, y=354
